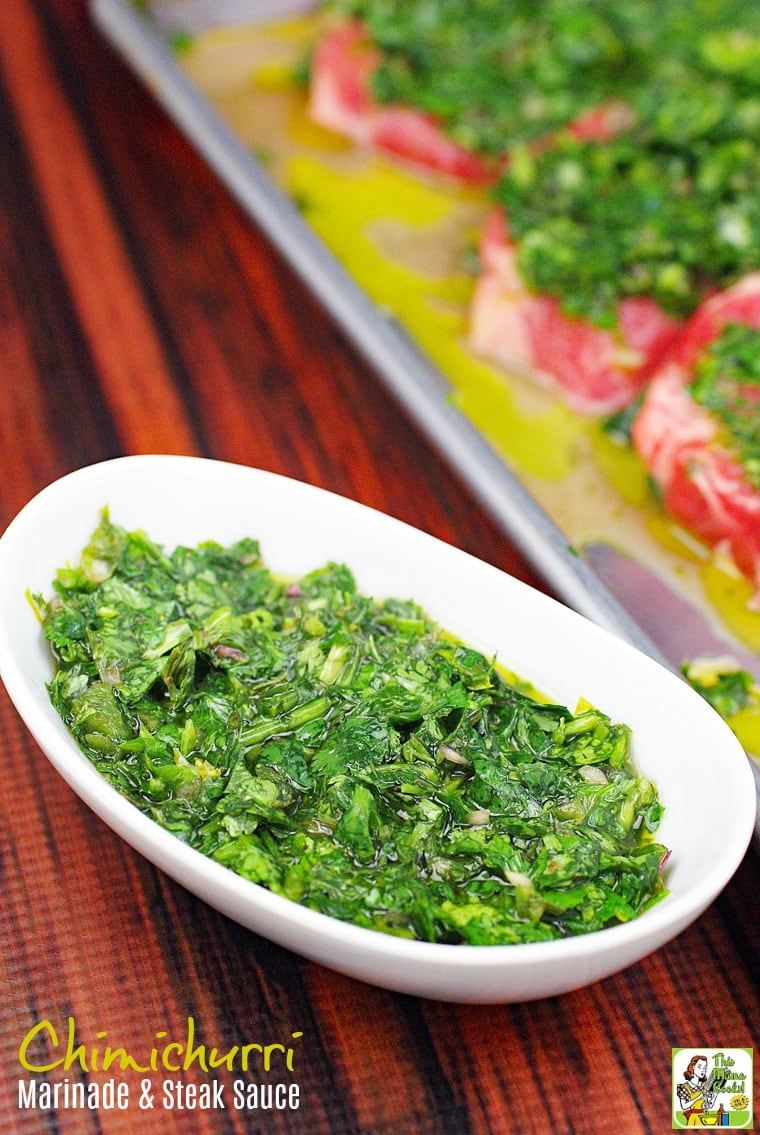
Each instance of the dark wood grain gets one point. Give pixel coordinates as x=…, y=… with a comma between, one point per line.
x=141, y=311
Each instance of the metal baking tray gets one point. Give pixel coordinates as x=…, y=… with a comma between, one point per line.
x=419, y=384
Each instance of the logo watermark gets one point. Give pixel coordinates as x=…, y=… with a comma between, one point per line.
x=712, y=1087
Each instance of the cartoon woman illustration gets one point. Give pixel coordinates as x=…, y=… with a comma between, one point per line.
x=695, y=1092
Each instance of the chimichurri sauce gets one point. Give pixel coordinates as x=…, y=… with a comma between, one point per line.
x=343, y=751
x=727, y=383
x=668, y=208
x=497, y=73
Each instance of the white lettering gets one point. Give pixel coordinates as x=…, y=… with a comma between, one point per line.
x=109, y=1096
x=178, y=1096
x=251, y=1097
x=27, y=1093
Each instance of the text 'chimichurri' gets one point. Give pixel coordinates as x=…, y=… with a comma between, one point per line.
x=343, y=751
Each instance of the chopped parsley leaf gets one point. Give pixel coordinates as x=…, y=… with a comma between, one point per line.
x=343, y=751
x=727, y=383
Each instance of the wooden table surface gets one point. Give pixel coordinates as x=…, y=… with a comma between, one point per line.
x=140, y=311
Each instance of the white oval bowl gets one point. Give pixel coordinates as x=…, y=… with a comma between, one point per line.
x=701, y=771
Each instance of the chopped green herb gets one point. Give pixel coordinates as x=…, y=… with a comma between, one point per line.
x=497, y=74
x=619, y=426
x=181, y=41
x=343, y=751
x=668, y=208
x=727, y=383
x=728, y=689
